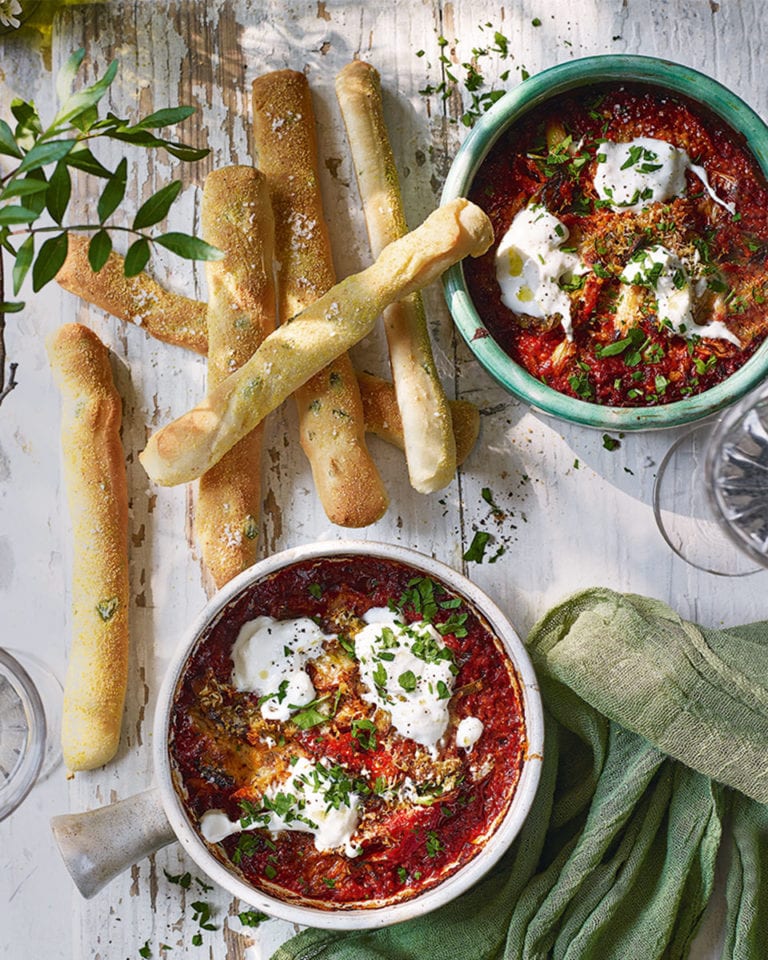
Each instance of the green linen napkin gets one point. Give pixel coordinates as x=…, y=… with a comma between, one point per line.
x=656, y=749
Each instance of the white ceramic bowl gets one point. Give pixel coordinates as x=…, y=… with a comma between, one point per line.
x=178, y=824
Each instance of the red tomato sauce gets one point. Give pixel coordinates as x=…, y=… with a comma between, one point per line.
x=218, y=753
x=657, y=366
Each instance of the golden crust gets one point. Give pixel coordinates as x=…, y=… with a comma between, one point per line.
x=331, y=424
x=236, y=218
x=297, y=350
x=141, y=300
x=382, y=416
x=94, y=471
x=430, y=447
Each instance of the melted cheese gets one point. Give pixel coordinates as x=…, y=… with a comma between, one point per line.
x=666, y=275
x=270, y=657
x=530, y=265
x=634, y=174
x=409, y=672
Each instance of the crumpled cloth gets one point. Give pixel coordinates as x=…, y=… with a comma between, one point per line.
x=656, y=754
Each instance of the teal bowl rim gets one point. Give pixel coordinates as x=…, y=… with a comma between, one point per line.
x=553, y=81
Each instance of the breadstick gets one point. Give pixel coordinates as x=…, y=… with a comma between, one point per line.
x=331, y=425
x=236, y=218
x=167, y=316
x=430, y=449
x=382, y=416
x=299, y=349
x=94, y=471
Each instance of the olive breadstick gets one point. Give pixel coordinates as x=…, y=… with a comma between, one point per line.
x=95, y=476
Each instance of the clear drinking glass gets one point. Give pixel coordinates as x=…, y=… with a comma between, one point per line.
x=711, y=491
x=30, y=718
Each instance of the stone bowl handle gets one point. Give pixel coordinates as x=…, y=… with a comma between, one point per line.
x=102, y=843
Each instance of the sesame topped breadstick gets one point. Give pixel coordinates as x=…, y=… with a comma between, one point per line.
x=331, y=423
x=236, y=218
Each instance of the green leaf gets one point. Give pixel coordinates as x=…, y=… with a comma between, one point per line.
x=408, y=681
x=23, y=188
x=476, y=549
x=81, y=158
x=191, y=248
x=251, y=918
x=59, y=192
x=11, y=307
x=157, y=207
x=49, y=260
x=99, y=250
x=28, y=126
x=23, y=262
x=44, y=153
x=36, y=201
x=67, y=74
x=8, y=145
x=183, y=151
x=78, y=103
x=12, y=215
x=137, y=257
x=114, y=191
x=164, y=118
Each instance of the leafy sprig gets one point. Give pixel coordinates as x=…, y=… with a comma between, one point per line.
x=36, y=190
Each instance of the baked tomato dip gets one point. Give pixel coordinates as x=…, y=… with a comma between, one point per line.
x=347, y=733
x=631, y=233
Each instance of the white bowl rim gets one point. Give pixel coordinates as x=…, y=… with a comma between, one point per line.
x=533, y=91
x=466, y=876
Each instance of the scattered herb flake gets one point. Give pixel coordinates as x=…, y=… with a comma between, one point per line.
x=476, y=550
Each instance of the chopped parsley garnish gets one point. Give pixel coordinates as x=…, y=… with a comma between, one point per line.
x=408, y=681
x=476, y=549
x=434, y=844
x=202, y=914
x=315, y=590
x=251, y=918
x=145, y=952
x=364, y=731
x=610, y=443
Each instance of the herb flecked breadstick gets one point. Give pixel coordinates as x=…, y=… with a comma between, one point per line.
x=299, y=349
x=94, y=471
x=430, y=449
x=236, y=218
x=382, y=416
x=140, y=299
x=331, y=425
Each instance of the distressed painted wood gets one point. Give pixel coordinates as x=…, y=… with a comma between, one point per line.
x=573, y=514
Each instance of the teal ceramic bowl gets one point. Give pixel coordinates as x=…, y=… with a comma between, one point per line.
x=531, y=93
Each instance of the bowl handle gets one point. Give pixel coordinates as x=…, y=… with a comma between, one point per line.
x=102, y=843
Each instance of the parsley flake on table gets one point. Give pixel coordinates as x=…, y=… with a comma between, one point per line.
x=476, y=550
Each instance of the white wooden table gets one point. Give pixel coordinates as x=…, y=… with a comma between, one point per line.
x=574, y=513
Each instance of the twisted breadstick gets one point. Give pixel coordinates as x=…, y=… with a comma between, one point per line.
x=299, y=349
x=382, y=416
x=94, y=471
x=430, y=450
x=331, y=424
x=236, y=218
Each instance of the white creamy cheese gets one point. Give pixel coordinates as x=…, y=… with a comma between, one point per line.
x=468, y=732
x=270, y=657
x=309, y=800
x=634, y=174
x=666, y=275
x=530, y=266
x=408, y=671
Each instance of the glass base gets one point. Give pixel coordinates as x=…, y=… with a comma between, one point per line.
x=30, y=721
x=685, y=514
